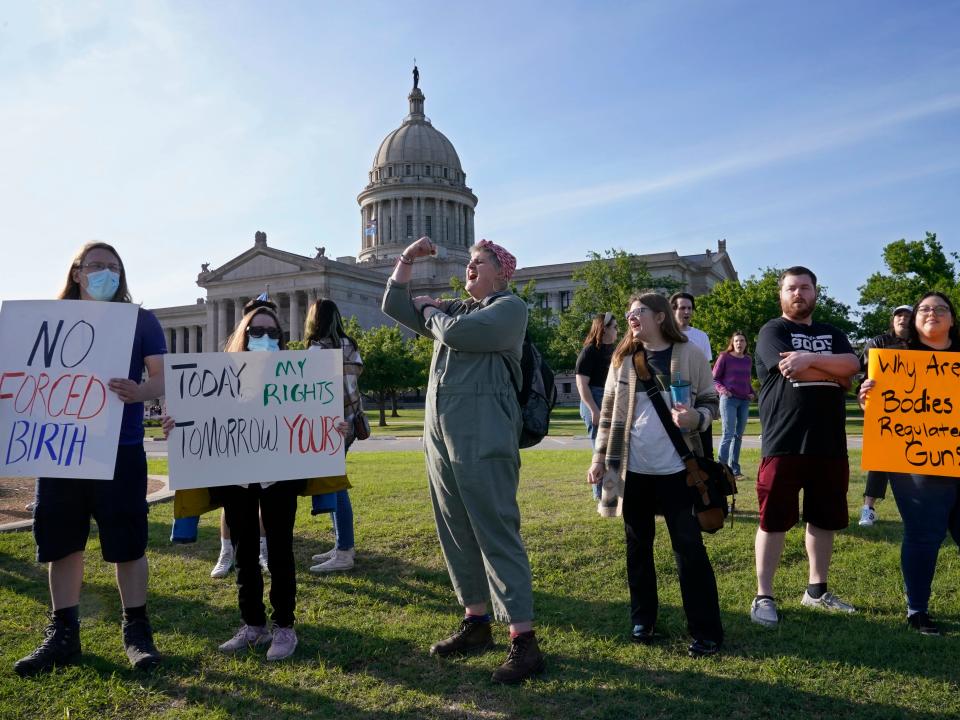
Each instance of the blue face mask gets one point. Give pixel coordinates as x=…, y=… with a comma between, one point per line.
x=264, y=343
x=103, y=284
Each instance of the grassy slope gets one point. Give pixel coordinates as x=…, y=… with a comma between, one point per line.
x=364, y=635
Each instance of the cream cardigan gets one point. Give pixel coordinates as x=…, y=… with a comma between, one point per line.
x=612, y=446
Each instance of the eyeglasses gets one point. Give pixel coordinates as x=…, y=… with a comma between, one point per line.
x=259, y=332
x=938, y=310
x=637, y=312
x=98, y=266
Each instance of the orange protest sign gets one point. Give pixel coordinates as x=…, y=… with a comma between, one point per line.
x=911, y=423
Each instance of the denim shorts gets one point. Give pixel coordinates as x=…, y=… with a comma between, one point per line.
x=61, y=520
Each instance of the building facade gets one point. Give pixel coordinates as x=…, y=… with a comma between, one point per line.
x=416, y=186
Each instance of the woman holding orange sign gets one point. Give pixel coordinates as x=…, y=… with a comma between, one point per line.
x=928, y=504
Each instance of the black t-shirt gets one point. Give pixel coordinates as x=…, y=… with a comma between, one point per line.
x=800, y=418
x=595, y=363
x=659, y=363
x=887, y=341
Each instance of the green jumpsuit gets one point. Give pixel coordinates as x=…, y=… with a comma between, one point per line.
x=470, y=435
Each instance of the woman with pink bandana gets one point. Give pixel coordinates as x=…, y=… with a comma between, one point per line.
x=471, y=431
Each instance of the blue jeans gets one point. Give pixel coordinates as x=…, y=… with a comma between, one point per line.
x=597, y=393
x=733, y=414
x=341, y=515
x=925, y=503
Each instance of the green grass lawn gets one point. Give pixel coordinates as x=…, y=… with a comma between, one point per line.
x=364, y=635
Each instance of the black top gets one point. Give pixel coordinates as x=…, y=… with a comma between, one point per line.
x=595, y=363
x=800, y=418
x=887, y=341
x=659, y=363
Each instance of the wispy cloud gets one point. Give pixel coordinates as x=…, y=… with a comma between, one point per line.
x=803, y=142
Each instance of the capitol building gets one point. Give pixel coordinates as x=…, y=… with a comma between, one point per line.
x=416, y=186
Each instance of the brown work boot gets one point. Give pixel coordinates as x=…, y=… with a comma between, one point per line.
x=470, y=637
x=523, y=661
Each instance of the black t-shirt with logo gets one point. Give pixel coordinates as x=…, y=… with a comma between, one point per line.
x=800, y=418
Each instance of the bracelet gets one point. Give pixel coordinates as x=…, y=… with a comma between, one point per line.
x=403, y=258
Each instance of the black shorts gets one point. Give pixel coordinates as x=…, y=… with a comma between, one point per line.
x=61, y=520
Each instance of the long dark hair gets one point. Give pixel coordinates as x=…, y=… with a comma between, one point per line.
x=953, y=334
x=324, y=322
x=739, y=333
x=71, y=288
x=668, y=328
x=600, y=323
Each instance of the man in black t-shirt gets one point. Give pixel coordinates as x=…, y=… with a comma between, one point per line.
x=804, y=369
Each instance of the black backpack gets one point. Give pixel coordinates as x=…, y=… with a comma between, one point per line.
x=537, y=395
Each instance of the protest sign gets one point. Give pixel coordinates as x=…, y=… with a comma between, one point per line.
x=250, y=417
x=57, y=416
x=911, y=423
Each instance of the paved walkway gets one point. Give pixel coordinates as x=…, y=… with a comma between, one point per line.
x=158, y=448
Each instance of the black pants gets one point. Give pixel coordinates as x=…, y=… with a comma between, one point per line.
x=876, y=484
x=644, y=497
x=243, y=508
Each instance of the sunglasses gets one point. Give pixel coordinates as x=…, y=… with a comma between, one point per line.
x=259, y=332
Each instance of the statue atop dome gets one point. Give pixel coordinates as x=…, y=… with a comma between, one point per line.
x=416, y=75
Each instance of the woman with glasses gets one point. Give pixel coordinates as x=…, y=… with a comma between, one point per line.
x=61, y=516
x=928, y=504
x=636, y=461
x=593, y=363
x=324, y=329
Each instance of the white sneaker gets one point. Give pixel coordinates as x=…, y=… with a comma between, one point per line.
x=868, y=516
x=284, y=643
x=341, y=560
x=224, y=564
x=324, y=556
x=763, y=611
x=248, y=636
x=827, y=601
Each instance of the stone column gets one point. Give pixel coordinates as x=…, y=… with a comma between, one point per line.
x=421, y=225
x=397, y=236
x=221, y=323
x=192, y=337
x=210, y=330
x=237, y=310
x=296, y=326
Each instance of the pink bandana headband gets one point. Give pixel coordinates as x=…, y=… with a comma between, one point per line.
x=508, y=263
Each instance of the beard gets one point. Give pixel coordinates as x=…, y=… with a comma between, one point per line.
x=797, y=310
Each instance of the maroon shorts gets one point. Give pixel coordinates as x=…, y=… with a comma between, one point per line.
x=824, y=481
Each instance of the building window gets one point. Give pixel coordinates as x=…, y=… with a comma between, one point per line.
x=564, y=300
x=406, y=170
x=427, y=170
x=429, y=226
x=409, y=225
x=566, y=388
x=445, y=172
x=390, y=228
x=542, y=301
x=390, y=171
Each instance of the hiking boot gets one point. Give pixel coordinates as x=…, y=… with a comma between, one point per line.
x=523, y=661
x=224, y=564
x=341, y=560
x=827, y=601
x=138, y=644
x=324, y=556
x=763, y=611
x=470, y=637
x=284, y=643
x=922, y=623
x=247, y=637
x=868, y=516
x=60, y=646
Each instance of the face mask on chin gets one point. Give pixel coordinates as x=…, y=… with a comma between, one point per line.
x=263, y=344
x=103, y=284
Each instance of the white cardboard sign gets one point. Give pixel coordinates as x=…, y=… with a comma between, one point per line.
x=249, y=417
x=57, y=416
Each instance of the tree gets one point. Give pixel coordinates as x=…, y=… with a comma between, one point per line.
x=608, y=281
x=733, y=306
x=387, y=364
x=914, y=267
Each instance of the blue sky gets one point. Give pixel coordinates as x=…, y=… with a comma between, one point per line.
x=804, y=133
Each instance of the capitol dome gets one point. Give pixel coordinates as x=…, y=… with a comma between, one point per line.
x=415, y=187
